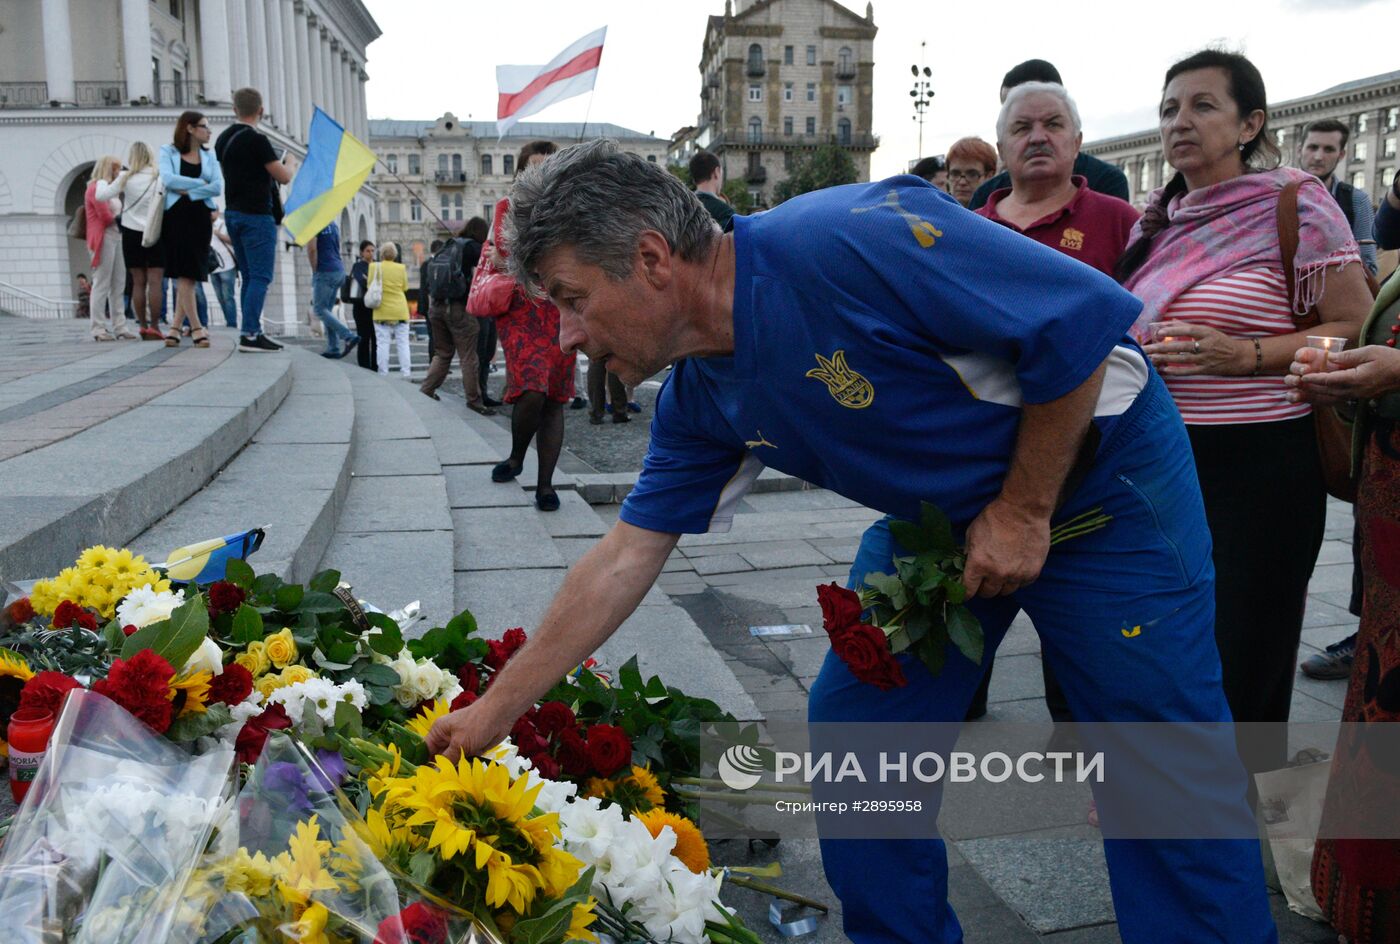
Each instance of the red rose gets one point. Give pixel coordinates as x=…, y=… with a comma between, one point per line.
x=129, y=630
x=232, y=686
x=253, y=735
x=573, y=753
x=546, y=766
x=468, y=676
x=502, y=649
x=840, y=607
x=464, y=699
x=553, y=717
x=47, y=691
x=141, y=685
x=416, y=924
x=866, y=652
x=69, y=613
x=609, y=749
x=527, y=739
x=225, y=597
x=20, y=612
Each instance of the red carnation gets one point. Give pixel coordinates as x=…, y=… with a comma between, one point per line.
x=231, y=686
x=464, y=699
x=20, y=612
x=546, y=766
x=141, y=685
x=502, y=649
x=573, y=753
x=129, y=630
x=553, y=717
x=253, y=735
x=469, y=677
x=417, y=924
x=866, y=652
x=225, y=597
x=69, y=613
x=609, y=749
x=47, y=691
x=841, y=608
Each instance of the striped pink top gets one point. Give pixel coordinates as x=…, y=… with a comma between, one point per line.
x=1248, y=304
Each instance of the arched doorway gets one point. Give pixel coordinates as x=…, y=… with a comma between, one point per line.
x=79, y=259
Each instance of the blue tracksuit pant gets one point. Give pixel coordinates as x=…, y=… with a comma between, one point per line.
x=1126, y=620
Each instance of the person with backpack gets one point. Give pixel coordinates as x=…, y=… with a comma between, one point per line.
x=327, y=272
x=447, y=278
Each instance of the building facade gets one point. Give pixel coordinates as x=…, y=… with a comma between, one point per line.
x=1370, y=107
x=433, y=176
x=779, y=78
x=80, y=79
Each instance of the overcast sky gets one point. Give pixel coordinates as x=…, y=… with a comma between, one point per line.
x=440, y=55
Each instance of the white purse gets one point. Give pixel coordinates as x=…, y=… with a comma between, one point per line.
x=374, y=294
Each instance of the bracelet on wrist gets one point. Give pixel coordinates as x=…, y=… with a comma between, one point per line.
x=1258, y=357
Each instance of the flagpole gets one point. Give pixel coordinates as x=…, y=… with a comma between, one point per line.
x=588, y=110
x=412, y=193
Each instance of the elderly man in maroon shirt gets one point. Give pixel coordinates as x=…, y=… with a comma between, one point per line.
x=1038, y=135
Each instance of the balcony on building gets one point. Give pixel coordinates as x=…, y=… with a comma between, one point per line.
x=756, y=174
x=24, y=94
x=447, y=178
x=744, y=140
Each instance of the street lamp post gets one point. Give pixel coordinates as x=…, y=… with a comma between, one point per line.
x=922, y=94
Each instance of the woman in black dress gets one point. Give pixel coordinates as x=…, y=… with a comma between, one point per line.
x=192, y=180
x=364, y=315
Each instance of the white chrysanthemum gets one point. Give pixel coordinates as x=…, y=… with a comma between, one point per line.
x=145, y=606
x=353, y=692
x=207, y=658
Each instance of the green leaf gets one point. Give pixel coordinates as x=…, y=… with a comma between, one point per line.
x=175, y=639
x=910, y=537
x=267, y=585
x=954, y=589
x=965, y=633
x=421, y=866
x=932, y=652
x=315, y=602
x=239, y=573
x=463, y=624
x=325, y=582
x=379, y=694
x=342, y=653
x=114, y=636
x=445, y=645
x=630, y=676
x=379, y=675
x=347, y=720
x=198, y=725
x=937, y=528
x=546, y=927
x=289, y=597
x=388, y=641
x=247, y=625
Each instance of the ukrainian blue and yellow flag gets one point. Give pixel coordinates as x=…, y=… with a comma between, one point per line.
x=335, y=168
x=206, y=561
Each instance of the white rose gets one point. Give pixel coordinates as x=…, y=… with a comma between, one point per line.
x=425, y=679
x=207, y=658
x=144, y=606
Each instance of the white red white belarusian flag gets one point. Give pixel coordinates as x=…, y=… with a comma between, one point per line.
x=525, y=90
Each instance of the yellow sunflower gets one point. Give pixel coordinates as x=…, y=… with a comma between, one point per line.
x=14, y=672
x=645, y=781
x=423, y=721
x=301, y=869
x=579, y=921
x=690, y=842
x=195, y=690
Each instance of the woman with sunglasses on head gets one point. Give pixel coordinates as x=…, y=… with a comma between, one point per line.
x=192, y=180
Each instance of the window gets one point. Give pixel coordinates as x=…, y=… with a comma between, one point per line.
x=787, y=91
x=1387, y=176
x=456, y=166
x=787, y=126
x=755, y=59
x=486, y=165
x=787, y=160
x=756, y=197
x=651, y=158
x=487, y=211
x=175, y=8
x=1281, y=138
x=843, y=132
x=446, y=207
x=395, y=210
x=1167, y=172
x=787, y=55
x=811, y=91
x=1392, y=119
x=415, y=211
x=1361, y=122
x=755, y=163
x=155, y=76
x=843, y=62
x=843, y=95
x=1361, y=150
x=811, y=55
x=178, y=79
x=1389, y=147
x=457, y=207
x=755, y=92
x=415, y=165
x=755, y=130
x=508, y=164
x=1144, y=177
x=442, y=163
x=392, y=162
x=1358, y=180
x=811, y=125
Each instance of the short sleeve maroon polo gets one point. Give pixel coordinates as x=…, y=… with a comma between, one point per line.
x=1092, y=227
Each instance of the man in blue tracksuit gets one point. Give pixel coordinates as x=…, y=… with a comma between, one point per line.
x=880, y=341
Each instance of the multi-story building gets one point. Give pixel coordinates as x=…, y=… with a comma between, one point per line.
x=779, y=78
x=80, y=79
x=1370, y=107
x=433, y=176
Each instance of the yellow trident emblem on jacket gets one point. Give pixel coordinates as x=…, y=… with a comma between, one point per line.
x=924, y=231
x=848, y=387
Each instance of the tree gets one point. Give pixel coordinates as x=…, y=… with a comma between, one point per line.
x=736, y=191
x=827, y=166
x=681, y=173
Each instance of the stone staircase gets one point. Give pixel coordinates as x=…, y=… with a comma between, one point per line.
x=138, y=445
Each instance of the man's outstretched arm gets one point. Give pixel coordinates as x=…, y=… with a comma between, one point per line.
x=599, y=593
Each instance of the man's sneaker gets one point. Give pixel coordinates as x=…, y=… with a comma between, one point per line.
x=261, y=344
x=1333, y=663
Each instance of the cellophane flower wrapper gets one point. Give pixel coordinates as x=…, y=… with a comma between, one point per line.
x=110, y=831
x=294, y=867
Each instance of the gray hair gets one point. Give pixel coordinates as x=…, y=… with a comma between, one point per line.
x=1032, y=88
x=598, y=200
x=388, y=252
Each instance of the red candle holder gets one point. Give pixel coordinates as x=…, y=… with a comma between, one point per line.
x=29, y=733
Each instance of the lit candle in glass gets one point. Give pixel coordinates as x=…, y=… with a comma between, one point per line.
x=1328, y=346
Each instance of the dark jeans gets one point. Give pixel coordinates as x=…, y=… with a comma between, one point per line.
x=1266, y=505
x=254, y=237
x=226, y=291
x=485, y=350
x=365, y=354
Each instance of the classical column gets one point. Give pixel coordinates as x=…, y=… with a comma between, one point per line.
x=291, y=75
x=276, y=95
x=240, y=72
x=257, y=47
x=327, y=86
x=348, y=119
x=307, y=97
x=58, y=52
x=336, y=67
x=136, y=48
x=361, y=108
x=214, y=48
x=313, y=62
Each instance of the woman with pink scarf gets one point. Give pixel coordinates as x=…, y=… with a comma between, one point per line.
x=1206, y=261
x=101, y=206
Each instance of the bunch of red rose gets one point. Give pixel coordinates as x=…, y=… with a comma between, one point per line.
x=69, y=614
x=551, y=738
x=224, y=597
x=419, y=923
x=476, y=679
x=863, y=647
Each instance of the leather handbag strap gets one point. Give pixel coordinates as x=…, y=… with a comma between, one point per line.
x=1288, y=250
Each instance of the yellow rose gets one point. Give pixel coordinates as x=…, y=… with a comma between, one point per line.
x=254, y=659
x=293, y=674
x=281, y=647
x=268, y=684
